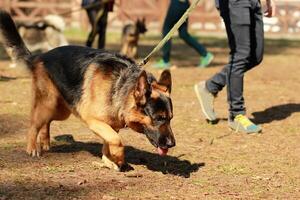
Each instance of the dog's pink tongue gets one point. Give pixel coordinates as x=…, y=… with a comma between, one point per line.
x=162, y=152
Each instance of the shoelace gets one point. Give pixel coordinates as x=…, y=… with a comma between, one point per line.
x=242, y=119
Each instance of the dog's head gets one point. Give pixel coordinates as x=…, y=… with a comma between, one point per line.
x=141, y=26
x=153, y=110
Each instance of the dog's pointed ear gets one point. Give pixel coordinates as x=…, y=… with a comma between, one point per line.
x=144, y=20
x=142, y=88
x=166, y=80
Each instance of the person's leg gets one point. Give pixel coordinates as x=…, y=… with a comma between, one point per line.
x=218, y=81
x=206, y=57
x=101, y=29
x=243, y=28
x=192, y=42
x=166, y=50
x=237, y=22
x=257, y=35
x=246, y=28
x=92, y=16
x=239, y=31
x=208, y=90
x=171, y=18
x=169, y=22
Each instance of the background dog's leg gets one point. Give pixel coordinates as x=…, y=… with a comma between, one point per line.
x=9, y=52
x=113, y=149
x=44, y=136
x=129, y=51
x=134, y=52
x=124, y=49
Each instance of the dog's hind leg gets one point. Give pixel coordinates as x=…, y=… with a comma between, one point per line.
x=60, y=113
x=43, y=112
x=45, y=105
x=39, y=119
x=113, y=149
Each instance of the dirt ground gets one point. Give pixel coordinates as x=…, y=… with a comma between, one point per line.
x=208, y=162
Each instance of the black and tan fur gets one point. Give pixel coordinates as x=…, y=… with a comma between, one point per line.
x=105, y=90
x=130, y=37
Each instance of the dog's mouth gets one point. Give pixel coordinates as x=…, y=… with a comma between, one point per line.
x=161, y=150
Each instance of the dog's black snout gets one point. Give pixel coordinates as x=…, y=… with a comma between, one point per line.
x=170, y=142
x=166, y=142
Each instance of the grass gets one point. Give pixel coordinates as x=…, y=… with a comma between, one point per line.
x=233, y=169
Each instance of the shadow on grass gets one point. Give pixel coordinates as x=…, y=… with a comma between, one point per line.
x=275, y=113
x=7, y=78
x=154, y=162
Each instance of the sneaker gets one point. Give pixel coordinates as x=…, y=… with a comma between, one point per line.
x=161, y=64
x=241, y=123
x=206, y=100
x=206, y=60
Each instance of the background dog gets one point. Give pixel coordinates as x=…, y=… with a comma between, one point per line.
x=42, y=36
x=130, y=37
x=105, y=90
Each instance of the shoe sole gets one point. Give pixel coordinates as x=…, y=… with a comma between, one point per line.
x=201, y=103
x=238, y=129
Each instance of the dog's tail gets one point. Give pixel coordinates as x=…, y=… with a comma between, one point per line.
x=11, y=38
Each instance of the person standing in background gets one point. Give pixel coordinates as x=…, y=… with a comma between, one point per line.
x=97, y=12
x=176, y=9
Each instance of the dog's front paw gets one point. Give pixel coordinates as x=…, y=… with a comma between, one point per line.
x=110, y=164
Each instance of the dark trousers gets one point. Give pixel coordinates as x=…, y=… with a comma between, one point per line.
x=244, y=27
x=100, y=27
x=175, y=11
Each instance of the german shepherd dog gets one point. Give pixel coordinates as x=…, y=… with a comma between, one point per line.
x=130, y=37
x=105, y=90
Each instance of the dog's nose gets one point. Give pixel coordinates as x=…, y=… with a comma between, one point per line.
x=170, y=142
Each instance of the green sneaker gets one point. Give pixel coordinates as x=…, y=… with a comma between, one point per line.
x=206, y=60
x=206, y=100
x=161, y=64
x=241, y=123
